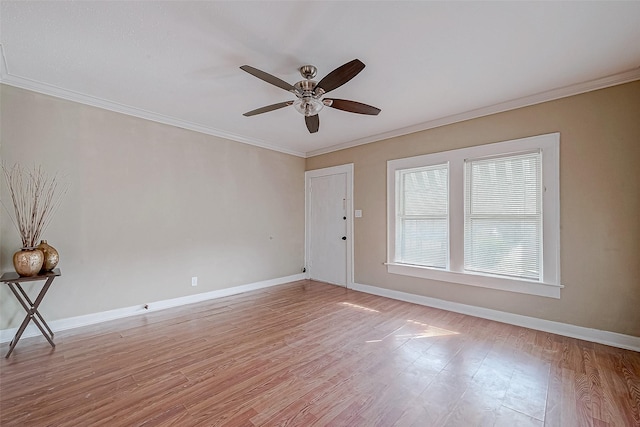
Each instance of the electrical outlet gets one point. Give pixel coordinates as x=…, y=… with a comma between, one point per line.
x=194, y=281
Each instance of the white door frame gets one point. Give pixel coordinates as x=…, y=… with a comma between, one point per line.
x=335, y=170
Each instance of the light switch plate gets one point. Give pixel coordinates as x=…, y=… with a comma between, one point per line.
x=358, y=213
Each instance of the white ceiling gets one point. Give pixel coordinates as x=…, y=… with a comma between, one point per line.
x=427, y=63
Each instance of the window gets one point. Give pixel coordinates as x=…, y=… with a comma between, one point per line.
x=423, y=216
x=483, y=216
x=503, y=216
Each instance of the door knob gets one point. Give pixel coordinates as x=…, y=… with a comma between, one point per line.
x=344, y=237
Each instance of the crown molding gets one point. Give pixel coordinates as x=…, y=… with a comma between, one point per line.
x=81, y=98
x=615, y=79
x=51, y=90
x=562, y=92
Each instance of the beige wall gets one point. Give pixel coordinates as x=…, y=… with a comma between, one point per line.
x=149, y=207
x=600, y=206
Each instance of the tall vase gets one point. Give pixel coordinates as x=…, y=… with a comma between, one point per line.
x=28, y=261
x=51, y=256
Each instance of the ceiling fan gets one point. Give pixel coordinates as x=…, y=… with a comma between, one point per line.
x=309, y=92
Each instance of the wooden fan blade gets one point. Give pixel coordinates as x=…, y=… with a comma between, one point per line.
x=351, y=106
x=340, y=76
x=313, y=123
x=268, y=78
x=268, y=108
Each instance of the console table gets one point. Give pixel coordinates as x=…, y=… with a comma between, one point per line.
x=13, y=280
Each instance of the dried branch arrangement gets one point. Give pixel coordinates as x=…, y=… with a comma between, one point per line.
x=35, y=197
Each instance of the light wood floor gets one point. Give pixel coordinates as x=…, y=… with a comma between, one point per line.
x=308, y=353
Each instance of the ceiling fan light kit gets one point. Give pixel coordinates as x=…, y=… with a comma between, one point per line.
x=308, y=106
x=309, y=93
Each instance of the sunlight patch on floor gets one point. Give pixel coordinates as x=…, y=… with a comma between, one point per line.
x=428, y=331
x=360, y=307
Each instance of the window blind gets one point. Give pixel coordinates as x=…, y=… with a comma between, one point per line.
x=423, y=224
x=503, y=216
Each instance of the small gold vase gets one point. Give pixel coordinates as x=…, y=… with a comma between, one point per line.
x=28, y=261
x=51, y=256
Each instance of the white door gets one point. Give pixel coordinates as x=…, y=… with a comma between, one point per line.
x=328, y=226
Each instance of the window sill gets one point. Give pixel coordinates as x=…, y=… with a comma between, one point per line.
x=491, y=282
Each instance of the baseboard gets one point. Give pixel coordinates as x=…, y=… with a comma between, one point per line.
x=6, y=335
x=595, y=335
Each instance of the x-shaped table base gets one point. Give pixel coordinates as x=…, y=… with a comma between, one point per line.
x=31, y=307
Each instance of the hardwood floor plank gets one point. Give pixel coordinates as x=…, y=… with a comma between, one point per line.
x=312, y=354
x=509, y=418
x=596, y=396
x=528, y=387
x=555, y=395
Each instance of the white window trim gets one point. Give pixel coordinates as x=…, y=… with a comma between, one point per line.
x=550, y=286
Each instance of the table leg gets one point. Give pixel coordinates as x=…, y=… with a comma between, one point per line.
x=18, y=334
x=35, y=306
x=32, y=314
